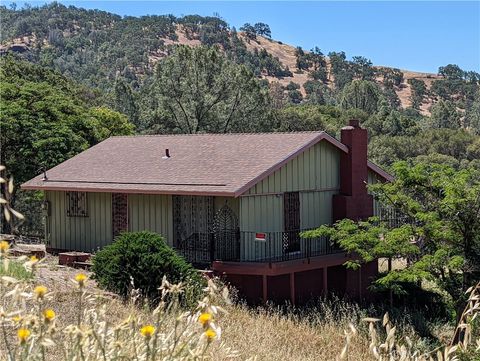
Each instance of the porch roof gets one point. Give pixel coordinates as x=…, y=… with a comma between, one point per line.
x=203, y=164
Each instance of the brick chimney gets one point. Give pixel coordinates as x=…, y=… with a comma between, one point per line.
x=353, y=202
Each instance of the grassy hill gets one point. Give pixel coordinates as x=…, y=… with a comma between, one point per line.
x=96, y=47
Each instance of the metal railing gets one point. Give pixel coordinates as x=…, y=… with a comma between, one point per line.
x=283, y=246
x=246, y=246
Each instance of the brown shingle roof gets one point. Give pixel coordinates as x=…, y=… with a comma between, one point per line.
x=213, y=164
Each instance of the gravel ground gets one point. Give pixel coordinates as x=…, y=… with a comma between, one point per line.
x=55, y=276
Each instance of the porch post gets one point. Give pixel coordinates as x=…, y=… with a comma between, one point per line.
x=292, y=288
x=265, y=289
x=325, y=280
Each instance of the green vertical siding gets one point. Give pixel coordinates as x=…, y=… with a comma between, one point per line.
x=233, y=203
x=315, y=174
x=372, y=179
x=80, y=233
x=317, y=168
x=151, y=212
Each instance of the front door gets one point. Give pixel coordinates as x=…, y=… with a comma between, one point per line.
x=226, y=234
x=291, y=222
x=193, y=227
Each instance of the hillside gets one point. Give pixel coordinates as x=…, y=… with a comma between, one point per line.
x=94, y=46
x=135, y=66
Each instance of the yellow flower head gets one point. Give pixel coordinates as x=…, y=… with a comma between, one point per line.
x=49, y=315
x=17, y=319
x=210, y=334
x=205, y=318
x=147, y=331
x=4, y=246
x=23, y=334
x=33, y=259
x=40, y=291
x=80, y=278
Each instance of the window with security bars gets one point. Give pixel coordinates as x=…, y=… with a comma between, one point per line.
x=77, y=204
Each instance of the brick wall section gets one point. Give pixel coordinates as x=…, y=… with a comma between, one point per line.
x=353, y=202
x=119, y=213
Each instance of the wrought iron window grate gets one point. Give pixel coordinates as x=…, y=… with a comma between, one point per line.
x=77, y=204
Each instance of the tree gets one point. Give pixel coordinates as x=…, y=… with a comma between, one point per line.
x=392, y=77
x=439, y=232
x=418, y=92
x=123, y=100
x=318, y=93
x=341, y=69
x=360, y=94
x=363, y=68
x=444, y=114
x=472, y=116
x=108, y=122
x=249, y=30
x=451, y=72
x=46, y=119
x=263, y=30
x=302, y=62
x=201, y=91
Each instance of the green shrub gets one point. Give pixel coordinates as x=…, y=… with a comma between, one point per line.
x=15, y=270
x=140, y=260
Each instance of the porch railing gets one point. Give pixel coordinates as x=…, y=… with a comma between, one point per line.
x=283, y=246
x=245, y=246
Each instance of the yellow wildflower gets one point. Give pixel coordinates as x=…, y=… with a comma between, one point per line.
x=210, y=334
x=17, y=319
x=205, y=318
x=23, y=334
x=80, y=278
x=4, y=246
x=33, y=259
x=147, y=331
x=49, y=315
x=40, y=291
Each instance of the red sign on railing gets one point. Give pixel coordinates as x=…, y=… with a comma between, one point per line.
x=262, y=237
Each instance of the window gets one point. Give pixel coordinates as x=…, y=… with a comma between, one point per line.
x=77, y=204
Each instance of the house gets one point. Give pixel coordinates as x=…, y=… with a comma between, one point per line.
x=233, y=202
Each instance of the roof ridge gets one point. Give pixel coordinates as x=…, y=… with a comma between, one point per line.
x=216, y=134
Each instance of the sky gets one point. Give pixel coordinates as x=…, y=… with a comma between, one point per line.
x=418, y=36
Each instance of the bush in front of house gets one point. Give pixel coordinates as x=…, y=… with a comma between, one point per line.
x=144, y=258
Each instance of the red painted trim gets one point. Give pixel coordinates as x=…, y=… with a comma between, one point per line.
x=292, y=288
x=280, y=268
x=128, y=191
x=269, y=171
x=375, y=168
x=265, y=288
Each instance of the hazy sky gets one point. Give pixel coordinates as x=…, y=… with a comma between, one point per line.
x=410, y=35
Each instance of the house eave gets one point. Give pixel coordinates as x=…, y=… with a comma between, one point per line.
x=127, y=191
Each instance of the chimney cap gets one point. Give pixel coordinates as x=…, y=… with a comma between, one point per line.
x=354, y=123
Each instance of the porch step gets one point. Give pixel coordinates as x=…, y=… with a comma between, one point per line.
x=69, y=258
x=83, y=265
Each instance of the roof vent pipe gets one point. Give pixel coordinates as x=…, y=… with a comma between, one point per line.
x=167, y=154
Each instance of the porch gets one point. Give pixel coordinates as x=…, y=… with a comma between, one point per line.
x=202, y=249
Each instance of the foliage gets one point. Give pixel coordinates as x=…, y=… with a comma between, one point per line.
x=199, y=90
x=139, y=261
x=45, y=119
x=418, y=92
x=444, y=114
x=361, y=94
x=439, y=232
x=309, y=117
